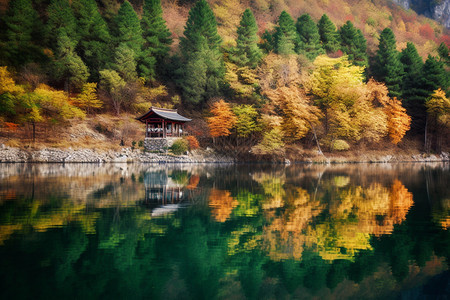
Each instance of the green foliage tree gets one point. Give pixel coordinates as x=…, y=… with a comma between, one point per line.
x=202, y=73
x=353, y=44
x=309, y=38
x=157, y=38
x=246, y=122
x=387, y=65
x=22, y=26
x=285, y=36
x=268, y=41
x=247, y=52
x=412, y=94
x=124, y=63
x=68, y=66
x=434, y=76
x=328, y=34
x=444, y=54
x=61, y=20
x=94, y=45
x=113, y=84
x=127, y=29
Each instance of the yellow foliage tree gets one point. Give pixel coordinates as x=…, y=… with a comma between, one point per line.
x=222, y=120
x=7, y=83
x=298, y=115
x=88, y=98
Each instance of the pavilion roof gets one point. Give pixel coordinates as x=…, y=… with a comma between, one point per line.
x=165, y=113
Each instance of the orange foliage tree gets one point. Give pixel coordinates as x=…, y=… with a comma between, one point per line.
x=222, y=120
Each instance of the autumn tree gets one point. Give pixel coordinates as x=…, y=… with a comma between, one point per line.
x=8, y=93
x=309, y=37
x=438, y=109
x=222, y=119
x=88, y=100
x=387, y=66
x=329, y=36
x=246, y=120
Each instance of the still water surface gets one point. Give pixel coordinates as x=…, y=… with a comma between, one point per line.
x=85, y=231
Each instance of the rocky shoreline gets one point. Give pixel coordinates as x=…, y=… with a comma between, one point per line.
x=129, y=155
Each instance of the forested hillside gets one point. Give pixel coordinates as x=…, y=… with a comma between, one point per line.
x=257, y=77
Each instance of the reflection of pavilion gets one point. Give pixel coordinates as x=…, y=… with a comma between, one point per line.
x=160, y=189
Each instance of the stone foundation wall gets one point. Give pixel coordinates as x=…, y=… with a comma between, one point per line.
x=159, y=144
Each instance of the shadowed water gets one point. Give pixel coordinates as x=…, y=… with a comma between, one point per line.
x=86, y=231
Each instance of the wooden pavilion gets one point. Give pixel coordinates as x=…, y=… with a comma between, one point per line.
x=163, y=123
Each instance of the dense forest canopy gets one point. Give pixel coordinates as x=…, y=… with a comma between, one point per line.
x=316, y=73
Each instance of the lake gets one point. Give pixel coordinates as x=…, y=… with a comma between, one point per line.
x=155, y=231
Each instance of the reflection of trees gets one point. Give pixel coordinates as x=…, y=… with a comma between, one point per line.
x=221, y=204
x=282, y=239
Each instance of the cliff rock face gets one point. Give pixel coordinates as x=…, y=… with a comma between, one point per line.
x=438, y=10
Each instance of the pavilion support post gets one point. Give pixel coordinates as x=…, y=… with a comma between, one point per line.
x=146, y=128
x=164, y=129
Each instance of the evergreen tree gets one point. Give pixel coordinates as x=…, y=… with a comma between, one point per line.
x=285, y=37
x=328, y=34
x=201, y=27
x=156, y=36
x=309, y=38
x=387, y=66
x=61, y=21
x=247, y=52
x=21, y=25
x=68, y=66
x=268, y=41
x=94, y=45
x=124, y=63
x=412, y=95
x=434, y=76
x=353, y=44
x=202, y=74
x=444, y=54
x=127, y=29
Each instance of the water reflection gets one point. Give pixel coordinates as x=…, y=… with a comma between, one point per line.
x=205, y=231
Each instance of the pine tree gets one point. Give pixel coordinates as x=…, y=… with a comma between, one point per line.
x=434, y=76
x=309, y=38
x=68, y=66
x=247, y=52
x=328, y=34
x=444, y=54
x=268, y=41
x=413, y=96
x=201, y=76
x=61, y=21
x=94, y=45
x=353, y=44
x=21, y=32
x=127, y=29
x=285, y=36
x=387, y=66
x=157, y=38
x=201, y=27
x=124, y=63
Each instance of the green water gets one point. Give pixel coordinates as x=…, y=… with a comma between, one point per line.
x=85, y=231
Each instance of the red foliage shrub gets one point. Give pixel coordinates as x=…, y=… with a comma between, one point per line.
x=426, y=31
